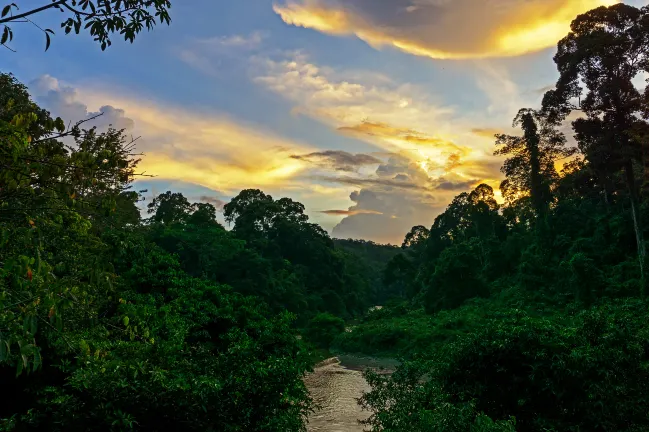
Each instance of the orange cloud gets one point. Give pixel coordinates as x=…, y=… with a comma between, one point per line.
x=454, y=29
x=406, y=137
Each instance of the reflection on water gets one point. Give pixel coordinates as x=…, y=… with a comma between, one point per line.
x=336, y=388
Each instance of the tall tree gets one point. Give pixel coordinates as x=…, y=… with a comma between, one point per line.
x=606, y=49
x=169, y=208
x=530, y=168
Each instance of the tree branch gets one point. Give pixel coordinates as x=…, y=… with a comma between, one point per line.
x=33, y=11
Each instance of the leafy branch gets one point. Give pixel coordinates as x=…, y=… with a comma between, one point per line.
x=100, y=18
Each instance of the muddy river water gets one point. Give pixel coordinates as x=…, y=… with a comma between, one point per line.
x=335, y=385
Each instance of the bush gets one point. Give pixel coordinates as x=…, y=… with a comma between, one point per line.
x=323, y=329
x=421, y=408
x=569, y=374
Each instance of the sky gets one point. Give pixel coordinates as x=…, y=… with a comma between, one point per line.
x=372, y=113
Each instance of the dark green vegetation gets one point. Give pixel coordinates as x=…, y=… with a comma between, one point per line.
x=370, y=259
x=99, y=18
x=112, y=322
x=532, y=315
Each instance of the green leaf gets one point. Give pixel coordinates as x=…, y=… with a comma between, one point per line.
x=37, y=360
x=47, y=41
x=125, y=321
x=33, y=325
x=4, y=350
x=5, y=35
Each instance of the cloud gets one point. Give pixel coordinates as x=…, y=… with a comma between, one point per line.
x=417, y=133
x=486, y=132
x=338, y=160
x=386, y=217
x=325, y=95
x=401, y=194
x=461, y=186
x=386, y=132
x=64, y=102
x=236, y=41
x=219, y=55
x=396, y=183
x=208, y=149
x=543, y=90
x=214, y=201
x=393, y=117
x=444, y=29
x=348, y=212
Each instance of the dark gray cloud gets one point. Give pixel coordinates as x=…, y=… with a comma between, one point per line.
x=214, y=201
x=339, y=160
x=392, y=215
x=457, y=186
x=388, y=205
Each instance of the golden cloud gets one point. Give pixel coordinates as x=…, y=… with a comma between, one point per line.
x=210, y=150
x=361, y=108
x=443, y=29
x=399, y=119
x=486, y=132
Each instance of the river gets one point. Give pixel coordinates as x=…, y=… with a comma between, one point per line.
x=335, y=385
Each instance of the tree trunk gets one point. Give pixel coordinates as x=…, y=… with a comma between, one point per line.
x=606, y=187
x=644, y=193
x=637, y=223
x=532, y=140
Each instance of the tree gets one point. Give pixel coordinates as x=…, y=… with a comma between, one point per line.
x=103, y=329
x=100, y=18
x=605, y=50
x=169, y=208
x=50, y=196
x=204, y=215
x=530, y=166
x=323, y=329
x=457, y=278
x=483, y=210
x=417, y=235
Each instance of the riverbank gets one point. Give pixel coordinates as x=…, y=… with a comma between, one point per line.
x=335, y=385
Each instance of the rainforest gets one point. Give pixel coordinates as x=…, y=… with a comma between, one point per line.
x=520, y=308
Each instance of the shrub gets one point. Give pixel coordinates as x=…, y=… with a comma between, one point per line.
x=323, y=329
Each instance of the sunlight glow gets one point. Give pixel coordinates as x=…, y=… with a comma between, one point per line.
x=528, y=28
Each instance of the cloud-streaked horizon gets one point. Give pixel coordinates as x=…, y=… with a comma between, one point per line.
x=299, y=98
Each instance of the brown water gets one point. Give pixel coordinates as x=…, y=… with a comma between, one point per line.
x=335, y=386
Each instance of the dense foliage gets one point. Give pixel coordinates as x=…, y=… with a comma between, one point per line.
x=99, y=18
x=531, y=315
x=113, y=322
x=323, y=329
x=368, y=260
x=528, y=315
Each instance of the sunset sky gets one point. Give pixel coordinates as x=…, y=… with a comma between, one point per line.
x=372, y=113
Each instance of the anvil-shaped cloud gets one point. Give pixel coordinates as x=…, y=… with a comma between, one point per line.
x=444, y=29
